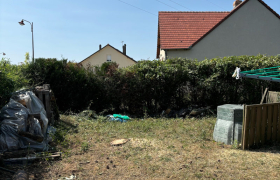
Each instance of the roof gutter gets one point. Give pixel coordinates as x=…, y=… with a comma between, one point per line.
x=180, y=48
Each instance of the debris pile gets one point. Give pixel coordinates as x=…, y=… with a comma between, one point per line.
x=23, y=123
x=187, y=112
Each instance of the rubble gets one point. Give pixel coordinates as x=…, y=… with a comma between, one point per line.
x=193, y=111
x=24, y=123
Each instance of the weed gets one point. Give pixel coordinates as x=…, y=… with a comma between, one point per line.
x=203, y=135
x=198, y=175
x=171, y=147
x=165, y=159
x=235, y=145
x=85, y=147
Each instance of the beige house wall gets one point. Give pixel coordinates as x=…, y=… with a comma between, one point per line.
x=251, y=30
x=100, y=57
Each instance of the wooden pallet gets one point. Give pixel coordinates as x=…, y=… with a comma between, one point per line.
x=44, y=93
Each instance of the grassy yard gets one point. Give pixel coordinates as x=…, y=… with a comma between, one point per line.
x=157, y=149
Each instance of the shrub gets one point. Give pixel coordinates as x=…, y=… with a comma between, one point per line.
x=11, y=79
x=6, y=87
x=152, y=86
x=73, y=86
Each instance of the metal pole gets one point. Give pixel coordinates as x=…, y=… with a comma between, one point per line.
x=32, y=43
x=21, y=23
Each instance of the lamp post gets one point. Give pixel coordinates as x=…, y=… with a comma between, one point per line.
x=22, y=23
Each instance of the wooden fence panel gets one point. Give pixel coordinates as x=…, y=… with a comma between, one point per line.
x=269, y=127
x=261, y=124
x=252, y=126
x=278, y=124
x=274, y=123
x=264, y=124
x=258, y=125
x=245, y=127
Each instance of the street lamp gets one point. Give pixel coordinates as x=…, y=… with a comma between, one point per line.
x=22, y=23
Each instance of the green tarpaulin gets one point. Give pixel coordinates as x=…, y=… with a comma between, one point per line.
x=269, y=74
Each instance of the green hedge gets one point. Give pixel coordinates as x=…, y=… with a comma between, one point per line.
x=11, y=79
x=152, y=86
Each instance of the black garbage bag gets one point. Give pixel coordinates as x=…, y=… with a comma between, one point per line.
x=14, y=122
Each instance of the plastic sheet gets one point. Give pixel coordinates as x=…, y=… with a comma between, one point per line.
x=14, y=114
x=112, y=118
x=14, y=118
x=35, y=128
x=50, y=133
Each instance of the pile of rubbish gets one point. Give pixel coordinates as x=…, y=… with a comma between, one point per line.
x=24, y=124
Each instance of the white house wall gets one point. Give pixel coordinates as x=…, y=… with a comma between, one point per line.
x=251, y=30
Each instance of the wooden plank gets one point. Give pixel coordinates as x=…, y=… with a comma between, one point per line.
x=278, y=125
x=18, y=153
x=243, y=125
x=274, y=123
x=31, y=136
x=272, y=97
x=48, y=106
x=264, y=125
x=40, y=93
x=258, y=125
x=269, y=104
x=245, y=133
x=252, y=126
x=269, y=122
x=264, y=94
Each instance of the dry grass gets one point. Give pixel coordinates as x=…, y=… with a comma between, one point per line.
x=158, y=149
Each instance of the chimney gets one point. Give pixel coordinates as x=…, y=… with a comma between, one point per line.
x=99, y=46
x=124, y=49
x=236, y=3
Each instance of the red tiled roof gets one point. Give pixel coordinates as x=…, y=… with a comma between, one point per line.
x=180, y=30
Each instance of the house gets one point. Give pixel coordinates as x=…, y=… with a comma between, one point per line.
x=108, y=54
x=251, y=28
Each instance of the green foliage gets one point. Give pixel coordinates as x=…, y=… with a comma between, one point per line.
x=73, y=86
x=151, y=86
x=6, y=87
x=11, y=79
x=27, y=57
x=216, y=85
x=14, y=72
x=84, y=147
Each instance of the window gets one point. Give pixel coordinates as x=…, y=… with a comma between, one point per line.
x=109, y=58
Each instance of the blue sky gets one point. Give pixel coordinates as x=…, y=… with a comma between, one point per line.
x=73, y=29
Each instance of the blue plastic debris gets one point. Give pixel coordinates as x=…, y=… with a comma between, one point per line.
x=112, y=118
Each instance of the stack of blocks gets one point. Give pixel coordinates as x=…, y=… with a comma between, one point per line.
x=228, y=128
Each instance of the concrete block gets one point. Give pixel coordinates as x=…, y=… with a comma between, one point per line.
x=228, y=127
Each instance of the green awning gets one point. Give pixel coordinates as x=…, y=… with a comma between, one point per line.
x=269, y=74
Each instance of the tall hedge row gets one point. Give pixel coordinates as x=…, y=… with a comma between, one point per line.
x=11, y=79
x=152, y=86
